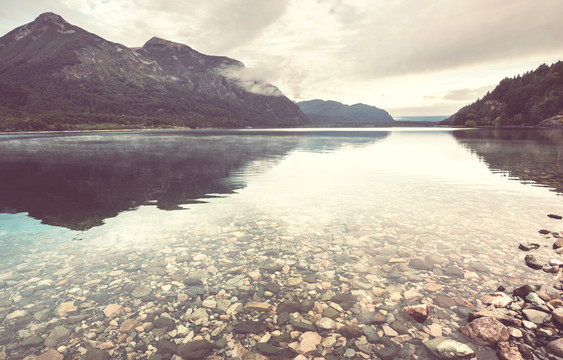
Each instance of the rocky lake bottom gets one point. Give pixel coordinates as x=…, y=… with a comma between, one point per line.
x=250, y=290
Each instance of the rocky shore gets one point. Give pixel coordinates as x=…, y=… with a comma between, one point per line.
x=251, y=290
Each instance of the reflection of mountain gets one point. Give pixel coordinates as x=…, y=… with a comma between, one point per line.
x=530, y=156
x=78, y=181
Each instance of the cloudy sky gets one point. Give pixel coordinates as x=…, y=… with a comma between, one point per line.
x=410, y=57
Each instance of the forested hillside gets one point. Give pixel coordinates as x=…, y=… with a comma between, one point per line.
x=525, y=99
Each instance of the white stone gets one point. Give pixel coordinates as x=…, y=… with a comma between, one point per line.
x=182, y=330
x=326, y=323
x=209, y=303
x=497, y=299
x=389, y=331
x=15, y=315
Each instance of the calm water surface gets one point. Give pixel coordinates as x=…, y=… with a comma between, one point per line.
x=79, y=206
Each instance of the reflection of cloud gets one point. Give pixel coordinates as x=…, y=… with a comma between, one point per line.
x=249, y=80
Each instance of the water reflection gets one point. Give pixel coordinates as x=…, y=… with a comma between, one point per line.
x=532, y=156
x=77, y=181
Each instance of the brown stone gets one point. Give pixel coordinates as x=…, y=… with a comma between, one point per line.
x=558, y=316
x=258, y=306
x=91, y=283
x=486, y=331
x=454, y=271
x=523, y=291
x=197, y=349
x=460, y=300
x=129, y=325
x=66, y=308
x=556, y=303
x=239, y=350
x=433, y=259
x=496, y=314
x=555, y=347
x=507, y=351
x=379, y=318
x=113, y=310
x=433, y=287
x=434, y=330
x=444, y=301
x=417, y=312
x=106, y=345
x=51, y=354
x=308, y=343
x=543, y=295
x=351, y=331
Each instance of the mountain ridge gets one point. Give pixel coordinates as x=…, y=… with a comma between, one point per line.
x=334, y=112
x=58, y=76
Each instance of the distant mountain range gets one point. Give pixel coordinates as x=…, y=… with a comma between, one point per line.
x=535, y=98
x=333, y=112
x=57, y=76
x=429, y=118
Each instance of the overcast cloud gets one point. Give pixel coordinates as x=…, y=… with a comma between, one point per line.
x=410, y=57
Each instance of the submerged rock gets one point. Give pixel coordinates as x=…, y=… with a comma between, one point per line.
x=51, y=354
x=446, y=348
x=268, y=349
x=499, y=314
x=344, y=300
x=535, y=316
x=351, y=331
x=507, y=351
x=527, y=246
x=486, y=331
x=197, y=349
x=326, y=323
x=308, y=343
x=556, y=347
x=417, y=312
x=96, y=354
x=250, y=327
x=57, y=335
x=532, y=262
x=523, y=291
x=498, y=299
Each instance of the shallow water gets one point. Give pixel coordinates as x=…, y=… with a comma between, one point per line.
x=354, y=207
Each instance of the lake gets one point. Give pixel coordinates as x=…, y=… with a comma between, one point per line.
x=179, y=230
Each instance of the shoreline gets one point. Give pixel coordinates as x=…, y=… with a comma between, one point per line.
x=258, y=128
x=86, y=131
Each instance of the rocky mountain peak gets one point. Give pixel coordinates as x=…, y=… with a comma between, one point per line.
x=50, y=17
x=156, y=42
x=37, y=27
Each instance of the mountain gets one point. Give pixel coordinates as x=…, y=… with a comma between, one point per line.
x=333, y=112
x=422, y=118
x=535, y=98
x=56, y=76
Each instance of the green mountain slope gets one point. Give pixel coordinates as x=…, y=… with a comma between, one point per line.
x=525, y=99
x=57, y=76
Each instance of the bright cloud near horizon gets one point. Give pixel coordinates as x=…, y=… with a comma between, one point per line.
x=409, y=57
